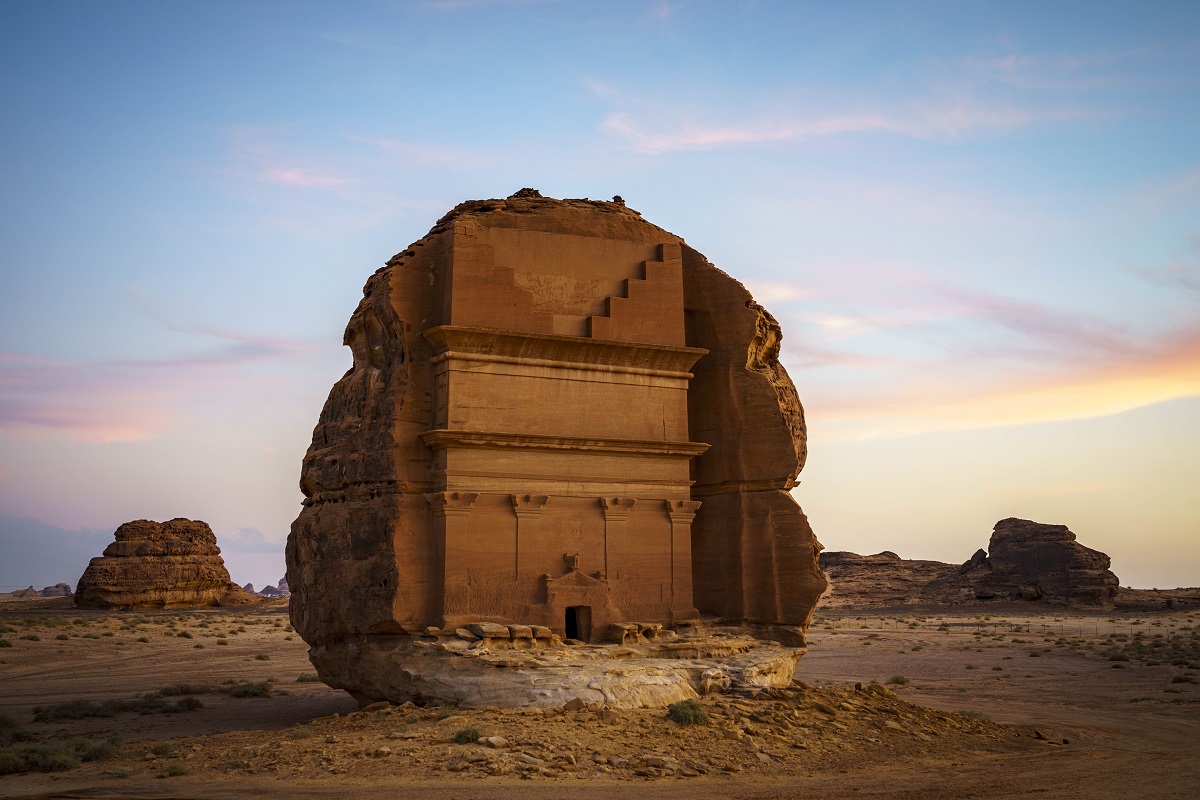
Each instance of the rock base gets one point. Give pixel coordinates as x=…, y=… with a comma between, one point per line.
x=450, y=670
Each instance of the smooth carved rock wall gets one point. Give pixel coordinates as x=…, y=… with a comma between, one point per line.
x=159, y=564
x=536, y=385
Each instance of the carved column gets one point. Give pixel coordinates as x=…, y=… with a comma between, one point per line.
x=616, y=512
x=682, y=512
x=452, y=536
x=528, y=508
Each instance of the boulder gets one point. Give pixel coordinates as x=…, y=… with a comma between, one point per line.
x=159, y=564
x=57, y=590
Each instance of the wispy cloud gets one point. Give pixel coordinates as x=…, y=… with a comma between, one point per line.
x=412, y=153
x=934, y=121
x=1176, y=275
x=129, y=400
x=946, y=396
x=296, y=176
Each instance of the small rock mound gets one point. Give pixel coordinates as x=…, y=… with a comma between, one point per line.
x=157, y=565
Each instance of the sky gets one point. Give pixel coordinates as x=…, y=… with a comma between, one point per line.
x=977, y=223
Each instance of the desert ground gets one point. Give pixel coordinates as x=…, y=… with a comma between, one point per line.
x=996, y=703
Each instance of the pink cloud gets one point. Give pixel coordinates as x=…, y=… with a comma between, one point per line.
x=127, y=400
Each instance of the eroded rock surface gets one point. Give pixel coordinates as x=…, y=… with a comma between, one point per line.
x=158, y=565
x=1029, y=561
x=1024, y=561
x=558, y=415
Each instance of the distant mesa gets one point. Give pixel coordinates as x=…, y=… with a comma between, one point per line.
x=281, y=590
x=1025, y=560
x=173, y=564
x=57, y=590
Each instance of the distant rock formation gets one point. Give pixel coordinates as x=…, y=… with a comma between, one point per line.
x=1025, y=560
x=1029, y=561
x=882, y=579
x=57, y=590
x=157, y=565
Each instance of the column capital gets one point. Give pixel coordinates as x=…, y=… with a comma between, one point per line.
x=528, y=506
x=617, y=508
x=682, y=511
x=451, y=504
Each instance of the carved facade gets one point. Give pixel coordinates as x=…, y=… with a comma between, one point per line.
x=558, y=415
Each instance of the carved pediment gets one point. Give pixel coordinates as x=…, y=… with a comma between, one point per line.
x=574, y=579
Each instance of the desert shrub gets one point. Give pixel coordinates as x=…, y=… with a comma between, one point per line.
x=32, y=637
x=1185, y=679
x=55, y=756
x=178, y=689
x=899, y=680
x=248, y=689
x=1118, y=657
x=309, y=677
x=262, y=657
x=687, y=712
x=80, y=709
x=109, y=748
x=62, y=637
x=144, y=639
x=184, y=635
x=164, y=750
x=173, y=770
x=5, y=643
x=222, y=641
x=468, y=736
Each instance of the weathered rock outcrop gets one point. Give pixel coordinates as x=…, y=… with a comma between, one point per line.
x=1025, y=561
x=158, y=565
x=883, y=579
x=558, y=415
x=1030, y=561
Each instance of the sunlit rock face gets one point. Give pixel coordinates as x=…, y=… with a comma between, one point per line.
x=159, y=565
x=559, y=415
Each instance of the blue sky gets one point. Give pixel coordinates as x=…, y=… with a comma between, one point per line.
x=978, y=223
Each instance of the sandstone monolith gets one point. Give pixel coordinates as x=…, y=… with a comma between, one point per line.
x=159, y=565
x=1025, y=560
x=559, y=416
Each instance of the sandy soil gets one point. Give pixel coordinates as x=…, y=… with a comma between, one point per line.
x=1132, y=727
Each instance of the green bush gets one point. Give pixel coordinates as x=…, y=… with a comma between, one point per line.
x=81, y=709
x=468, y=736
x=687, y=712
x=173, y=770
x=56, y=756
x=247, y=689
